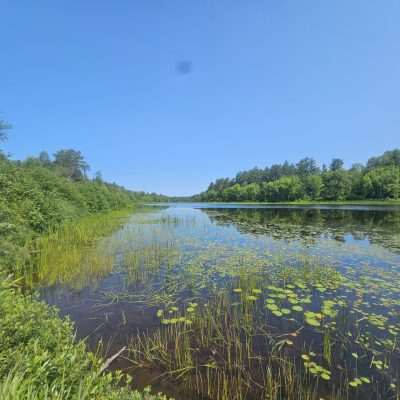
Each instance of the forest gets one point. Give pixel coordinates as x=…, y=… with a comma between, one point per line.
x=379, y=179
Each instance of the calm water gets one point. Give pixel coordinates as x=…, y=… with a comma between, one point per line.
x=317, y=285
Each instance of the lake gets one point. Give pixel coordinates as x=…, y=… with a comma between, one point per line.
x=222, y=301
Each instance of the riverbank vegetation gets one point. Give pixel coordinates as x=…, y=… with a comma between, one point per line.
x=40, y=199
x=38, y=194
x=379, y=179
x=41, y=360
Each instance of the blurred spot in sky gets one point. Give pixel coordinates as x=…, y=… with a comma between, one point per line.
x=184, y=67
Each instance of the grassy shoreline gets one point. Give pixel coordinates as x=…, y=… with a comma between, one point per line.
x=40, y=357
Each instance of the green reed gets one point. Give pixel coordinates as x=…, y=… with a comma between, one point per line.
x=76, y=253
x=232, y=346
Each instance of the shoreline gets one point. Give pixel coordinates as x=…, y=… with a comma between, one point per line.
x=299, y=203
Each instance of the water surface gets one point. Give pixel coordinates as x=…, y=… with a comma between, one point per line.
x=317, y=286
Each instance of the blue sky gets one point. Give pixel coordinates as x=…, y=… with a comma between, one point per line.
x=270, y=80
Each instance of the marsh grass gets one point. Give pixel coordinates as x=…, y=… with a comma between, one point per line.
x=77, y=253
x=286, y=334
x=141, y=264
x=222, y=351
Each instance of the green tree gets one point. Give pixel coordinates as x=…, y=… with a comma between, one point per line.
x=336, y=185
x=312, y=186
x=251, y=192
x=233, y=193
x=391, y=157
x=220, y=184
x=336, y=164
x=71, y=164
x=356, y=173
x=307, y=166
x=287, y=188
x=382, y=183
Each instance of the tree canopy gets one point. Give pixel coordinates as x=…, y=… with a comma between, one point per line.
x=305, y=180
x=71, y=164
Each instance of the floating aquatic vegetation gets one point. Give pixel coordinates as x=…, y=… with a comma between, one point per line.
x=315, y=369
x=248, y=315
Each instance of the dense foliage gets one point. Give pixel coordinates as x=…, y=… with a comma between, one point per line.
x=39, y=358
x=379, y=179
x=38, y=193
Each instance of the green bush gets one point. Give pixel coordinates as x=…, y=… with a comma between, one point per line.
x=39, y=358
x=34, y=199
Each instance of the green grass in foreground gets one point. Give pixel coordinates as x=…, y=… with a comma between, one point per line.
x=40, y=359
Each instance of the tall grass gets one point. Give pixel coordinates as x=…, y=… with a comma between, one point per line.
x=226, y=352
x=76, y=253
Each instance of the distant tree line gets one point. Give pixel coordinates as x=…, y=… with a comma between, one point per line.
x=305, y=180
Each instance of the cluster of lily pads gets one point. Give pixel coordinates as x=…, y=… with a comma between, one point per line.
x=314, y=368
x=172, y=315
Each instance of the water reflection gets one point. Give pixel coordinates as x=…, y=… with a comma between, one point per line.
x=210, y=299
x=311, y=225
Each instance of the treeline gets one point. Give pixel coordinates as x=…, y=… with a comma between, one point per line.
x=41, y=192
x=305, y=180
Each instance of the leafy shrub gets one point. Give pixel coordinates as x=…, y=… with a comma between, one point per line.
x=39, y=358
x=34, y=199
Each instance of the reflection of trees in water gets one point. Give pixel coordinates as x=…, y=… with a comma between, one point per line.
x=309, y=225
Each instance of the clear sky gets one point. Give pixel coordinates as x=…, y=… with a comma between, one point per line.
x=257, y=82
